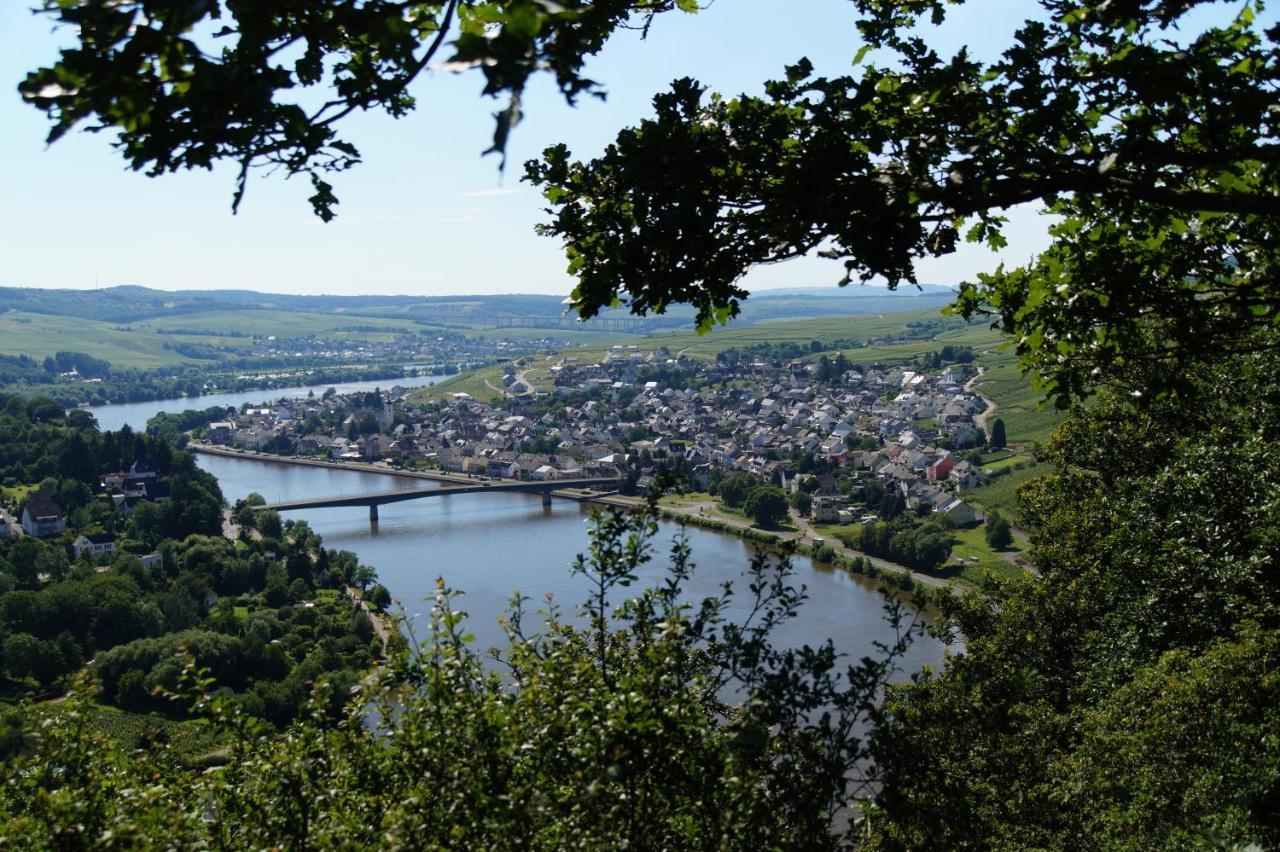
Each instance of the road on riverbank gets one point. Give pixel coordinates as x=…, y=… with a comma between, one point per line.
x=359, y=467
x=709, y=510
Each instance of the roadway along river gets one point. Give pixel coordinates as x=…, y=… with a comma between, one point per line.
x=489, y=545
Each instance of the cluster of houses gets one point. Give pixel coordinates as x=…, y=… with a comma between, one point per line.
x=42, y=517
x=901, y=426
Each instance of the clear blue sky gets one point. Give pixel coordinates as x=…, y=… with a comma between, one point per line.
x=425, y=214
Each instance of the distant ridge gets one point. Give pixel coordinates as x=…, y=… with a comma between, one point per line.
x=858, y=291
x=131, y=303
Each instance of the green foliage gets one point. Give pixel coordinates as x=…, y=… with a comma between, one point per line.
x=13, y=731
x=1091, y=111
x=1120, y=699
x=606, y=729
x=185, y=105
x=736, y=487
x=379, y=596
x=1123, y=697
x=922, y=545
x=998, y=440
x=25, y=656
x=767, y=505
x=133, y=621
x=998, y=531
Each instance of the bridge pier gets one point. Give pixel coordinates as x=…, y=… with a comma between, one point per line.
x=546, y=498
x=373, y=513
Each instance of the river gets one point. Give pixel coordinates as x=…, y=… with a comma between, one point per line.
x=490, y=545
x=136, y=414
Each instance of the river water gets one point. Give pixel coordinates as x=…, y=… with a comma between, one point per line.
x=136, y=414
x=490, y=545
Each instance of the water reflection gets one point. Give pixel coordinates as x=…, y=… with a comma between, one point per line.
x=490, y=545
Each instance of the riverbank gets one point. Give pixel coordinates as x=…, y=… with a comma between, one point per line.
x=113, y=416
x=359, y=467
x=805, y=540
x=383, y=624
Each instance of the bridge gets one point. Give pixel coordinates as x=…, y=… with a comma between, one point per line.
x=374, y=499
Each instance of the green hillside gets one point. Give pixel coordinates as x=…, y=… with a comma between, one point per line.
x=40, y=335
x=281, y=324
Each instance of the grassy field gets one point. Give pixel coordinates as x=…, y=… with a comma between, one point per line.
x=1004, y=462
x=1001, y=494
x=41, y=335
x=282, y=324
x=472, y=382
x=971, y=543
x=691, y=498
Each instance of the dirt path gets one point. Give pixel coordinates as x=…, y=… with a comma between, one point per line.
x=980, y=420
x=520, y=377
x=375, y=618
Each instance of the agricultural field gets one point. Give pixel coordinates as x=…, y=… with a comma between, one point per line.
x=579, y=338
x=41, y=335
x=1027, y=417
x=151, y=343
x=188, y=739
x=826, y=329
x=483, y=383
x=218, y=326
x=1001, y=494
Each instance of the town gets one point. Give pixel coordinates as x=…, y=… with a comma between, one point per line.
x=831, y=428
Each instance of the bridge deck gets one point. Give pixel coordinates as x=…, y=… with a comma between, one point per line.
x=378, y=498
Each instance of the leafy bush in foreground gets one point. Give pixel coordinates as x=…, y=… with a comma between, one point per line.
x=646, y=722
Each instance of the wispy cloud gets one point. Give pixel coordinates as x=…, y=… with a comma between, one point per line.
x=491, y=193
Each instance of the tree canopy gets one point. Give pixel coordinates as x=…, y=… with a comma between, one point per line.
x=188, y=84
x=606, y=730
x=1149, y=128
x=1151, y=135
x=1123, y=695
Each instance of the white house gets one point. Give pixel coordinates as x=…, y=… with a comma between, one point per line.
x=42, y=517
x=96, y=544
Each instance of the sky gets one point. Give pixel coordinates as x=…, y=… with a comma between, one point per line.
x=424, y=214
